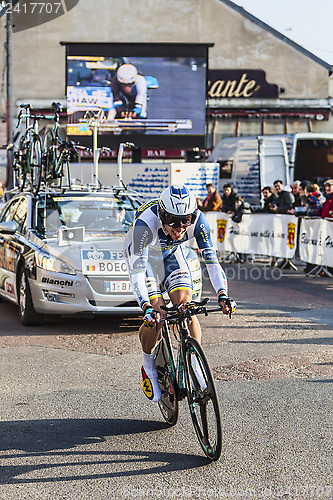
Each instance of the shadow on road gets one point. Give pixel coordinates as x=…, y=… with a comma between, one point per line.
x=50, y=445
x=56, y=325
x=315, y=341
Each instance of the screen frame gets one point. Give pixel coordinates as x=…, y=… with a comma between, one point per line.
x=164, y=49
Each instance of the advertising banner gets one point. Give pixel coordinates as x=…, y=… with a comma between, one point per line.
x=261, y=234
x=316, y=241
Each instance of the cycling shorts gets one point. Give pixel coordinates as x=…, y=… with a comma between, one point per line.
x=172, y=273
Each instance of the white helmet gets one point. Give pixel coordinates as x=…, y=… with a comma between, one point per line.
x=127, y=73
x=177, y=203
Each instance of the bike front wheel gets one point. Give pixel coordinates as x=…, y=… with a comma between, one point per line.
x=35, y=163
x=202, y=400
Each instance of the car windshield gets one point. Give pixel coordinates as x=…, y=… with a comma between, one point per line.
x=97, y=213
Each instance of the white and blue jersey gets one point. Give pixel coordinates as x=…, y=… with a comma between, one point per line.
x=151, y=254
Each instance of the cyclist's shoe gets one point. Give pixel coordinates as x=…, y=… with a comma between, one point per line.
x=150, y=385
x=198, y=373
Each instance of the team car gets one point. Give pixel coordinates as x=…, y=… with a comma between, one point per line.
x=61, y=253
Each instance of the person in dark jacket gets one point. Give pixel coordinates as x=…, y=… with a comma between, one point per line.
x=241, y=208
x=327, y=210
x=313, y=203
x=213, y=201
x=269, y=199
x=295, y=189
x=228, y=199
x=285, y=199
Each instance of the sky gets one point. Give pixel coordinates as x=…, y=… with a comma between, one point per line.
x=307, y=22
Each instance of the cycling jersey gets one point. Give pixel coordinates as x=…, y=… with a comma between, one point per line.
x=146, y=242
x=127, y=102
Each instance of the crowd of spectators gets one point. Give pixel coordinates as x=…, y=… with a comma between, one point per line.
x=303, y=198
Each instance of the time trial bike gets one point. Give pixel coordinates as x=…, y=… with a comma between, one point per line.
x=189, y=376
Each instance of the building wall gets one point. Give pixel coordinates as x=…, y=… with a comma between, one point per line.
x=39, y=59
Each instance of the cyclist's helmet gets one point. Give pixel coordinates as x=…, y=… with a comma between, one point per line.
x=127, y=73
x=177, y=206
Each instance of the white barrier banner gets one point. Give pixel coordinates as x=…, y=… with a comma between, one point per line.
x=261, y=234
x=316, y=241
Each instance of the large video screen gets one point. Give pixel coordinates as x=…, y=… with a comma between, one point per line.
x=153, y=95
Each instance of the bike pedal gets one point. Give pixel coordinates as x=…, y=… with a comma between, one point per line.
x=181, y=394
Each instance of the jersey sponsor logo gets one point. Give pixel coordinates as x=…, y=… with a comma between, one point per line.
x=204, y=233
x=144, y=207
x=221, y=229
x=291, y=235
x=209, y=254
x=51, y=281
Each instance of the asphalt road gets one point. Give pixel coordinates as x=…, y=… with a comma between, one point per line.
x=76, y=425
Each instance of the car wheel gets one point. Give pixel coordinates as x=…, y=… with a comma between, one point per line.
x=28, y=315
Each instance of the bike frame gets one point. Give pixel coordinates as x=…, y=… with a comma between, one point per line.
x=178, y=367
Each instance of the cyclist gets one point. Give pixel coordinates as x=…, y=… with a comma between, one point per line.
x=154, y=255
x=129, y=90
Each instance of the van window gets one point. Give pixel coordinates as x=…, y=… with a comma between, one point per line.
x=226, y=167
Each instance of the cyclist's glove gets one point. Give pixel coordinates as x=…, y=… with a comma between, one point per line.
x=149, y=317
x=224, y=299
x=138, y=109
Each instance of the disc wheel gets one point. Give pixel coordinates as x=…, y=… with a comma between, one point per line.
x=202, y=400
x=166, y=378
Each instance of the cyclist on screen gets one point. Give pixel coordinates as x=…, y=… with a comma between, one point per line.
x=129, y=90
x=154, y=255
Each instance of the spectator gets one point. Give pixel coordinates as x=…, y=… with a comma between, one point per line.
x=295, y=189
x=228, y=199
x=317, y=190
x=269, y=198
x=327, y=208
x=302, y=191
x=241, y=207
x=284, y=199
x=313, y=204
x=298, y=206
x=199, y=203
x=2, y=190
x=213, y=201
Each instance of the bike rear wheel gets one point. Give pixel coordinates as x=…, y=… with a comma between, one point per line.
x=35, y=163
x=202, y=400
x=20, y=158
x=49, y=157
x=166, y=378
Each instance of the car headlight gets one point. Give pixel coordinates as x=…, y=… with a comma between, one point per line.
x=194, y=264
x=50, y=263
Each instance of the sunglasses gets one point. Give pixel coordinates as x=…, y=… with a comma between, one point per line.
x=174, y=221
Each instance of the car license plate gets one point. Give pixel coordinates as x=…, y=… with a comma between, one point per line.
x=117, y=286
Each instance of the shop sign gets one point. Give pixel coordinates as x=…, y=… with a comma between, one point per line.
x=242, y=83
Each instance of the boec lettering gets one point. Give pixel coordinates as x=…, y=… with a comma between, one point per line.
x=112, y=267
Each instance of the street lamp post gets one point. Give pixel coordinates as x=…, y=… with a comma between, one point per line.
x=9, y=87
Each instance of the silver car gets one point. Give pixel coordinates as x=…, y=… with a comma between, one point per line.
x=61, y=253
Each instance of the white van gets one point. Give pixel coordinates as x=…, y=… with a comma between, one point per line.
x=250, y=163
